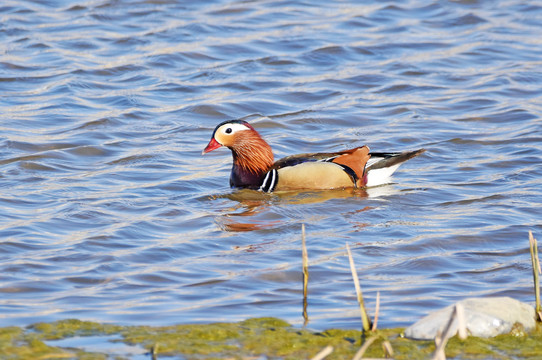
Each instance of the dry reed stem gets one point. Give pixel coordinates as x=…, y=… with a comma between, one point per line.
x=461, y=322
x=363, y=348
x=388, y=348
x=442, y=339
x=377, y=311
x=305, y=258
x=305, y=261
x=364, y=318
x=439, y=351
x=533, y=247
x=323, y=353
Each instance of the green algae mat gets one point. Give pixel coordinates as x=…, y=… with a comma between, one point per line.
x=268, y=338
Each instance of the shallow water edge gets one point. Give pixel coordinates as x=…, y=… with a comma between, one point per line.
x=256, y=338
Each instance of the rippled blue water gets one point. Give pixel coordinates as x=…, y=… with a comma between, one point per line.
x=109, y=212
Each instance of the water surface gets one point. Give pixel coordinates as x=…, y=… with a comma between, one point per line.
x=108, y=211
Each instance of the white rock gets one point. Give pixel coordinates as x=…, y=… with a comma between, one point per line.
x=484, y=317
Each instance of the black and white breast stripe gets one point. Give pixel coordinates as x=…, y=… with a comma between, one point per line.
x=348, y=170
x=270, y=181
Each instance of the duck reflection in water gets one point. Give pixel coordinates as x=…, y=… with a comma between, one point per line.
x=251, y=209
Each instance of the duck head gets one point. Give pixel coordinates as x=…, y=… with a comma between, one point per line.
x=252, y=156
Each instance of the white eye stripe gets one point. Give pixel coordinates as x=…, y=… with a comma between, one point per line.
x=233, y=128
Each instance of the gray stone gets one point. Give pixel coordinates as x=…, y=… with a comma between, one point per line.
x=484, y=317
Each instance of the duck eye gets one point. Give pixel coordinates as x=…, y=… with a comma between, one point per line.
x=228, y=131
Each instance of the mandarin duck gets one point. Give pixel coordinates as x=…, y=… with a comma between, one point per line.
x=254, y=166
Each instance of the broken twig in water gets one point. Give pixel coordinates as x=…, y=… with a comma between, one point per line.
x=323, y=353
x=154, y=352
x=364, y=318
x=363, y=348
